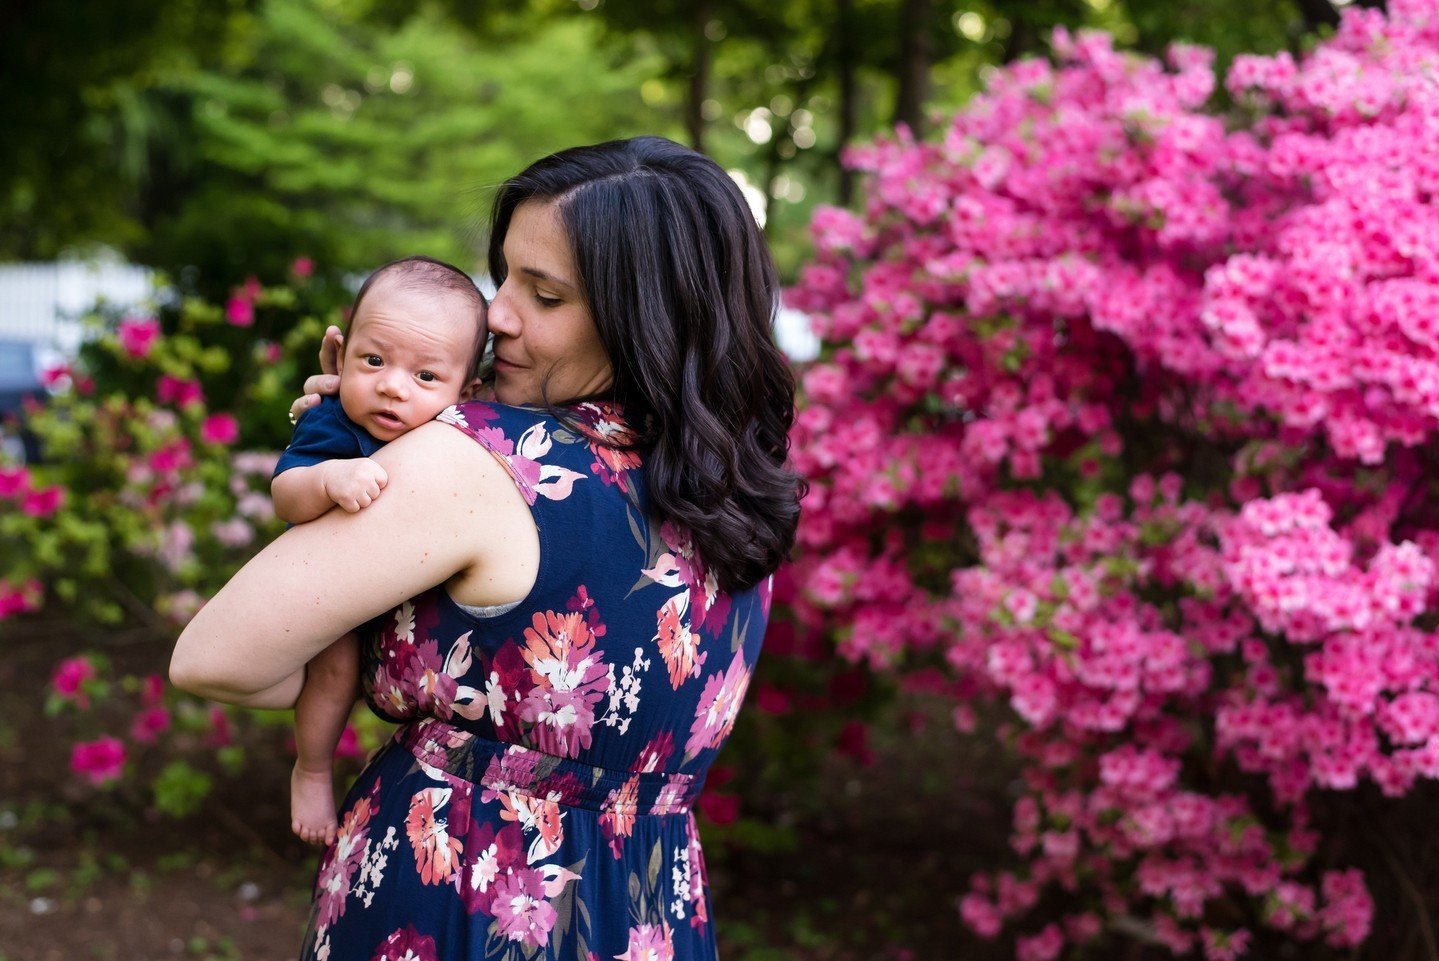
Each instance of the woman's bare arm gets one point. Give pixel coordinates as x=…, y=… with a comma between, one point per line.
x=449, y=509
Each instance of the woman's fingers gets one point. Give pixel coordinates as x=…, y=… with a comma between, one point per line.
x=322, y=384
x=301, y=405
x=330, y=347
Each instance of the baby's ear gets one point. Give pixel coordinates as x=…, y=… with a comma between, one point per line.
x=471, y=390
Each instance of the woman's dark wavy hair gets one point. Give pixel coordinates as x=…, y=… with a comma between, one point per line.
x=681, y=286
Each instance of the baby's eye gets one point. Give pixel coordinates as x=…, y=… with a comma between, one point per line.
x=427, y=376
x=373, y=360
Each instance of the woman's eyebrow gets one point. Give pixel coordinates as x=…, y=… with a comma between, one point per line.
x=538, y=274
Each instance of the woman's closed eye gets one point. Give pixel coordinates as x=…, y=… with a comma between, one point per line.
x=544, y=301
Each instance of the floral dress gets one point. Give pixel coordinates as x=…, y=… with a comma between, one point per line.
x=535, y=802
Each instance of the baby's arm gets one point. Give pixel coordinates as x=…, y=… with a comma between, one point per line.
x=304, y=493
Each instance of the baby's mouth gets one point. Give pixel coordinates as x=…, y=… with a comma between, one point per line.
x=386, y=419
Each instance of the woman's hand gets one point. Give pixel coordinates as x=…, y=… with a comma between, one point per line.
x=328, y=380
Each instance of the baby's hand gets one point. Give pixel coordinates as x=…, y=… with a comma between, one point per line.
x=354, y=484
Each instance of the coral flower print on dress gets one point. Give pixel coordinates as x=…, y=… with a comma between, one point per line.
x=570, y=677
x=617, y=817
x=604, y=427
x=542, y=816
x=437, y=854
x=678, y=645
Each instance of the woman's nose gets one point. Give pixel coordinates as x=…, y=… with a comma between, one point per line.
x=501, y=319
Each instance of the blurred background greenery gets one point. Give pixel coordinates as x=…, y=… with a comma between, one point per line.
x=215, y=139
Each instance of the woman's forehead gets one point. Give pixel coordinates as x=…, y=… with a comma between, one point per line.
x=537, y=245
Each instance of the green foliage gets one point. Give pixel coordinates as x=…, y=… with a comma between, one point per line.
x=180, y=789
x=72, y=77
x=230, y=138
x=358, y=141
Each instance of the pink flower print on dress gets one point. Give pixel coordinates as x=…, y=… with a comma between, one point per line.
x=718, y=707
x=489, y=855
x=652, y=756
x=520, y=907
x=407, y=944
x=707, y=604
x=332, y=885
x=535, y=479
x=649, y=942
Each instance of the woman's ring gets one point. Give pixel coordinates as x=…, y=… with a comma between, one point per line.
x=293, y=419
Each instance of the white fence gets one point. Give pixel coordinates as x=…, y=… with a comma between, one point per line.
x=40, y=303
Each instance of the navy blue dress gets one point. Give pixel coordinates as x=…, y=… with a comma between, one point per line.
x=535, y=802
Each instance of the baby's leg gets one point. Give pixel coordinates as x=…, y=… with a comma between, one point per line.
x=332, y=681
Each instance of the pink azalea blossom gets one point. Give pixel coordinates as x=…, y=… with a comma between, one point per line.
x=137, y=335
x=14, y=481
x=149, y=724
x=220, y=429
x=43, y=503
x=99, y=761
x=69, y=678
x=240, y=311
x=181, y=393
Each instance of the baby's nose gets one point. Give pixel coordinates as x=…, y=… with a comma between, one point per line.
x=394, y=385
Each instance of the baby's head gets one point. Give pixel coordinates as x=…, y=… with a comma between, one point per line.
x=413, y=348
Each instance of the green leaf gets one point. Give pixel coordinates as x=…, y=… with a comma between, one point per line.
x=180, y=789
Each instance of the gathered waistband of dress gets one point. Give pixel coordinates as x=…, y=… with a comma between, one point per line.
x=516, y=769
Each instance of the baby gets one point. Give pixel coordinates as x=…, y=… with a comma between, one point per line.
x=417, y=331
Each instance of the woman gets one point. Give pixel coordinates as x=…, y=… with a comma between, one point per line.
x=569, y=587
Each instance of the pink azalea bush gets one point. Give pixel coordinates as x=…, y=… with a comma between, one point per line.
x=1124, y=421
x=158, y=442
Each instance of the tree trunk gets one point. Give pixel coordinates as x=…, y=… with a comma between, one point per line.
x=699, y=78
x=916, y=50
x=848, y=107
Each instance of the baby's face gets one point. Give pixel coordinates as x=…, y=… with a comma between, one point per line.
x=406, y=358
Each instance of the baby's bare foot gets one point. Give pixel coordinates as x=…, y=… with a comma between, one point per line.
x=312, y=805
